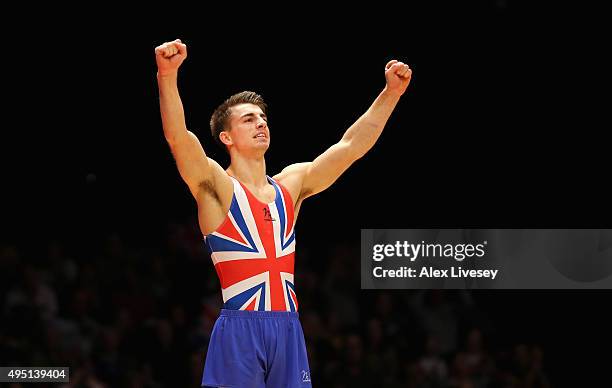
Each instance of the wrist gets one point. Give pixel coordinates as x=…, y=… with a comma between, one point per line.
x=168, y=74
x=392, y=93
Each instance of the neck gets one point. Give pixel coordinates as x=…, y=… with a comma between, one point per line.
x=251, y=171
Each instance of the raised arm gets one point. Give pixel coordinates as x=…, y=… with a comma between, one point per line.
x=316, y=176
x=193, y=165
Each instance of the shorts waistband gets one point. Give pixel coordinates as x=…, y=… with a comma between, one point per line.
x=259, y=314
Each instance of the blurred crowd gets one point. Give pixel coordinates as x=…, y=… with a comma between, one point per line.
x=138, y=314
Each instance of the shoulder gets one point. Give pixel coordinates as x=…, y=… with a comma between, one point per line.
x=292, y=174
x=292, y=178
x=292, y=171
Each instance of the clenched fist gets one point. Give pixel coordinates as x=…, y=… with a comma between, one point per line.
x=398, y=76
x=169, y=56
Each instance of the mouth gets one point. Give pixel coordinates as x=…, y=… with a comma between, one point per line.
x=260, y=135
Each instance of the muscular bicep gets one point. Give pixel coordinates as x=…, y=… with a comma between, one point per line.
x=306, y=179
x=327, y=168
x=191, y=161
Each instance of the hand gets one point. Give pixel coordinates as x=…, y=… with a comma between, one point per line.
x=398, y=76
x=169, y=56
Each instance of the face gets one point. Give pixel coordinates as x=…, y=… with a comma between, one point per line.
x=249, y=130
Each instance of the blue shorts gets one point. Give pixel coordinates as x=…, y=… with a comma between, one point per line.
x=257, y=349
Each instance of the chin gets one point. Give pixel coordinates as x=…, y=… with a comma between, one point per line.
x=263, y=146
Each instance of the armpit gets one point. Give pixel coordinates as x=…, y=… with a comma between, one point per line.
x=208, y=188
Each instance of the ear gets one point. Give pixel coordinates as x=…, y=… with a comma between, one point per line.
x=225, y=138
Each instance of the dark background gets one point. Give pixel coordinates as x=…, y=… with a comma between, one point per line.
x=500, y=127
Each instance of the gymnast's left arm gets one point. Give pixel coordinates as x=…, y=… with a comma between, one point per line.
x=358, y=139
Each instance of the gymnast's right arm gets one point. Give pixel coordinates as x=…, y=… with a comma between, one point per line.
x=193, y=165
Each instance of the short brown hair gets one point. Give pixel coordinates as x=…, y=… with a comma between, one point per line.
x=221, y=115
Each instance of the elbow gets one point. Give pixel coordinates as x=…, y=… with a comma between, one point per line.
x=173, y=137
x=358, y=149
x=172, y=142
x=357, y=154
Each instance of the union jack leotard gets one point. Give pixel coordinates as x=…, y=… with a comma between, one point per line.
x=253, y=252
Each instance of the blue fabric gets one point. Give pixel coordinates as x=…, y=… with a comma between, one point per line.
x=257, y=349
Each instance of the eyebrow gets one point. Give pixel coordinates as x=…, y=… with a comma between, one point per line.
x=253, y=114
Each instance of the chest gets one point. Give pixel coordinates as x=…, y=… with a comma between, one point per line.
x=264, y=195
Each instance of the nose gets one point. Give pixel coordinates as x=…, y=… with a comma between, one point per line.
x=261, y=124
